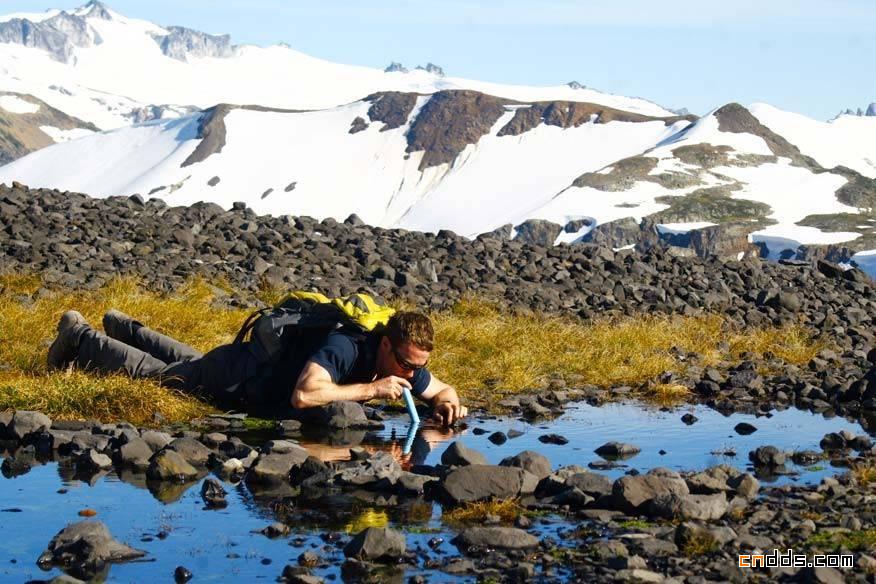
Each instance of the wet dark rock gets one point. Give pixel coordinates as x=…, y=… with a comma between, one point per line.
x=376, y=544
x=458, y=454
x=617, y=450
x=504, y=538
x=85, y=548
x=181, y=574
x=689, y=419
x=744, y=428
x=213, y=494
x=553, y=439
x=768, y=456
x=530, y=461
x=469, y=484
x=274, y=530
x=498, y=438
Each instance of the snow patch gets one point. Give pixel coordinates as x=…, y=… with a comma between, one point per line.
x=16, y=105
x=59, y=135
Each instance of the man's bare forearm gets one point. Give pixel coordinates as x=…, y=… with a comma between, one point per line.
x=322, y=393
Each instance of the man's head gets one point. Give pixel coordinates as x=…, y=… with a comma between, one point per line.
x=405, y=345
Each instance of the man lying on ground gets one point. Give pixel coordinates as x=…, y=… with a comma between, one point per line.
x=344, y=366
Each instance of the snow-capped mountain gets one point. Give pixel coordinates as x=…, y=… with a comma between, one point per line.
x=99, y=66
x=417, y=149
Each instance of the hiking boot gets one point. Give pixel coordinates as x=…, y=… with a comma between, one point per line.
x=120, y=326
x=66, y=345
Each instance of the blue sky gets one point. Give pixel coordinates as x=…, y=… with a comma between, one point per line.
x=809, y=56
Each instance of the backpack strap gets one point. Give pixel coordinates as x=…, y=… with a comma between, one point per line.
x=248, y=324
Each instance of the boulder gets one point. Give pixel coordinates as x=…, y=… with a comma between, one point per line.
x=530, y=461
x=26, y=422
x=767, y=456
x=89, y=460
x=135, y=453
x=632, y=494
x=468, y=484
x=376, y=544
x=169, y=465
x=275, y=468
x=458, y=454
x=615, y=450
x=156, y=440
x=502, y=538
x=591, y=483
x=684, y=507
x=538, y=232
x=191, y=450
x=84, y=549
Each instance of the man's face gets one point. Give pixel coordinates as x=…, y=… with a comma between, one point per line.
x=401, y=361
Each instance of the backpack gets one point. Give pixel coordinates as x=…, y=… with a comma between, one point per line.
x=282, y=338
x=304, y=317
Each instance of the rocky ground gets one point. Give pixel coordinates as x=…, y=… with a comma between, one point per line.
x=657, y=526
x=648, y=527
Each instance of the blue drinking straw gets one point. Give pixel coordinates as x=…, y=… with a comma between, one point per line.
x=412, y=409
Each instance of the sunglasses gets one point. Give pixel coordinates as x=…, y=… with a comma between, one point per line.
x=404, y=364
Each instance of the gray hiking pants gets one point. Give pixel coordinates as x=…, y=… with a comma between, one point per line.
x=141, y=352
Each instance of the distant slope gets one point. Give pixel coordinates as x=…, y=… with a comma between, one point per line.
x=28, y=124
x=394, y=159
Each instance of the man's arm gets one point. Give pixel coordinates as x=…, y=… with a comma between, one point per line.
x=445, y=401
x=316, y=388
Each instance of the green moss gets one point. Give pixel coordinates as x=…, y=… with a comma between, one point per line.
x=856, y=541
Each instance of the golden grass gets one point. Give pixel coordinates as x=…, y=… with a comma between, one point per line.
x=507, y=510
x=26, y=330
x=480, y=346
x=482, y=350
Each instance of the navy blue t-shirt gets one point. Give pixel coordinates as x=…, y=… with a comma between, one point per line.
x=351, y=359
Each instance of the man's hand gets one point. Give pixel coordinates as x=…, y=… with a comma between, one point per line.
x=389, y=387
x=448, y=412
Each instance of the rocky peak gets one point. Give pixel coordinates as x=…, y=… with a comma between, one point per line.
x=860, y=112
x=395, y=67
x=96, y=9
x=58, y=35
x=576, y=85
x=181, y=43
x=432, y=68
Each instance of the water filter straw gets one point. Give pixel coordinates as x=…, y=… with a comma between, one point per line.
x=409, y=404
x=409, y=440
